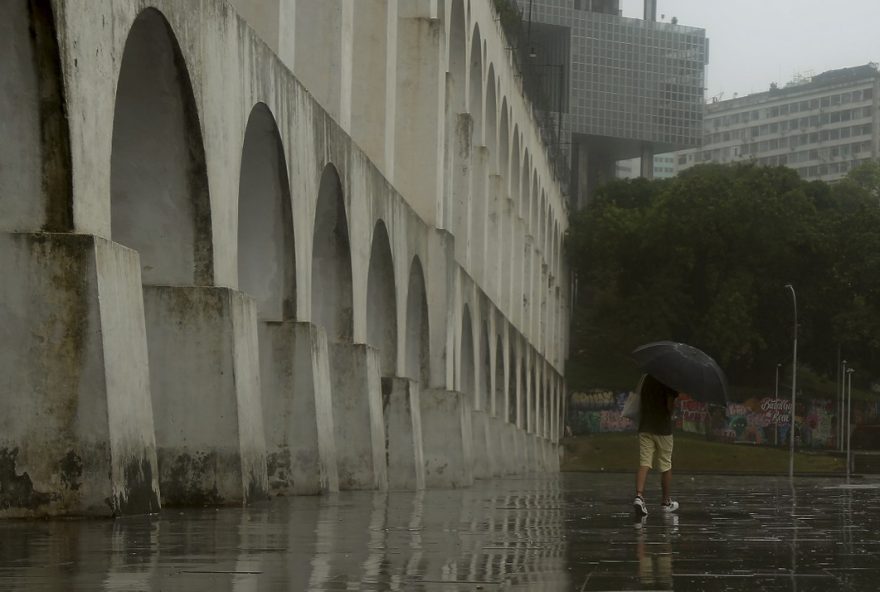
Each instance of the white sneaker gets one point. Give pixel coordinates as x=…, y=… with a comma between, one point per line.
x=639, y=506
x=670, y=506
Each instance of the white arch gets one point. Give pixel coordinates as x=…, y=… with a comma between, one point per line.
x=382, y=300
x=331, y=261
x=158, y=180
x=266, y=257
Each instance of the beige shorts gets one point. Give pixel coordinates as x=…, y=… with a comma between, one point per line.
x=651, y=445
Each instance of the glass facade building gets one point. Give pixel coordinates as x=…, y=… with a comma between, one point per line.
x=635, y=87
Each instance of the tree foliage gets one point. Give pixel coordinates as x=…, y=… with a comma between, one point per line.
x=704, y=258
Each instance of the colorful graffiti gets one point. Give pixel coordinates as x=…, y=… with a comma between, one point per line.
x=759, y=420
x=598, y=411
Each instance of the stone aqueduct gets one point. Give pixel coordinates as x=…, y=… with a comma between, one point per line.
x=310, y=248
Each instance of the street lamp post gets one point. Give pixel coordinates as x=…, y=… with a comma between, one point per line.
x=776, y=405
x=849, y=374
x=841, y=404
x=793, y=386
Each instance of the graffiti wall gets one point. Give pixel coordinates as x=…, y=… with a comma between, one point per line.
x=598, y=411
x=760, y=420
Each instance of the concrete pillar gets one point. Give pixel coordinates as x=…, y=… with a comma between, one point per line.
x=483, y=450
x=357, y=416
x=205, y=383
x=545, y=455
x=323, y=54
x=555, y=457
x=403, y=431
x=508, y=268
x=297, y=409
x=418, y=126
x=519, y=266
x=495, y=240
x=530, y=448
x=538, y=444
x=76, y=423
x=460, y=155
x=480, y=203
x=512, y=458
x=446, y=433
x=495, y=436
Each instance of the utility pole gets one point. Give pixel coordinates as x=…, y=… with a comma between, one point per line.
x=793, y=386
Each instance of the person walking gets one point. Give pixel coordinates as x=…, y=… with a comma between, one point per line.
x=655, y=441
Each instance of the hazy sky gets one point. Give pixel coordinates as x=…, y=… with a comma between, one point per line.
x=756, y=42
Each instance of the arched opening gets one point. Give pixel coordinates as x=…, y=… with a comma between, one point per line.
x=331, y=261
x=557, y=251
x=158, y=182
x=534, y=209
x=457, y=56
x=417, y=331
x=546, y=233
x=525, y=188
x=468, y=384
x=35, y=182
x=382, y=301
x=369, y=77
x=491, y=120
x=504, y=143
x=514, y=167
x=542, y=227
x=476, y=87
x=266, y=258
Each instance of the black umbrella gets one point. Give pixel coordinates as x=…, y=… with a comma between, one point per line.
x=684, y=368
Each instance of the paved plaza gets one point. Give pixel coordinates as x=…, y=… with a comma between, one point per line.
x=571, y=532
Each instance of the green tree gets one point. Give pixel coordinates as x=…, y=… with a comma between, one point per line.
x=703, y=258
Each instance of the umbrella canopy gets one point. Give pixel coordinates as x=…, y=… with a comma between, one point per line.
x=684, y=368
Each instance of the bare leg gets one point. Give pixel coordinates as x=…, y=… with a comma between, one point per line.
x=666, y=484
x=641, y=477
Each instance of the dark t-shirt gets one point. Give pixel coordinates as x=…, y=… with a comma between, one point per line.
x=656, y=418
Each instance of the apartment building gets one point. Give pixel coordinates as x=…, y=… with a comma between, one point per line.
x=822, y=126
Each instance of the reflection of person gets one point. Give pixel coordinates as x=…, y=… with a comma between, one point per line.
x=655, y=558
x=655, y=440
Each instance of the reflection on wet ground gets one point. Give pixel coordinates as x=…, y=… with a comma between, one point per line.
x=574, y=532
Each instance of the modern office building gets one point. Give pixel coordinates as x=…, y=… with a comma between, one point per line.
x=635, y=87
x=821, y=126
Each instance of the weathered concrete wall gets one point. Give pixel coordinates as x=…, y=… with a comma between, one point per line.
x=297, y=409
x=446, y=437
x=35, y=191
x=357, y=417
x=404, y=452
x=76, y=425
x=191, y=189
x=205, y=385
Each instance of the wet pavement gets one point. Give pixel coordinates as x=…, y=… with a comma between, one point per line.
x=573, y=532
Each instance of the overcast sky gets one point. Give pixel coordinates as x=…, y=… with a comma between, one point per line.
x=756, y=42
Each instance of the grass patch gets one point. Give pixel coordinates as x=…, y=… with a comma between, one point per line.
x=620, y=452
